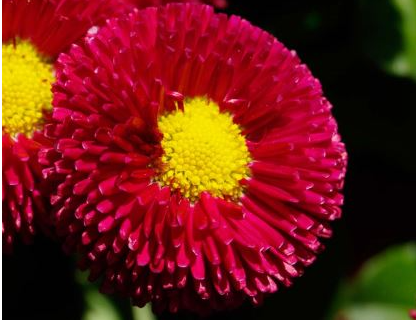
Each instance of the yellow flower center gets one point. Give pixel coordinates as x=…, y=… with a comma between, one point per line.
x=27, y=78
x=204, y=150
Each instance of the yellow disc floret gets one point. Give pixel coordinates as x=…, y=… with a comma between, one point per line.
x=204, y=150
x=27, y=78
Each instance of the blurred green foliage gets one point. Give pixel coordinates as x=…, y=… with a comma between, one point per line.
x=98, y=306
x=144, y=313
x=384, y=288
x=374, y=312
x=389, y=34
x=103, y=307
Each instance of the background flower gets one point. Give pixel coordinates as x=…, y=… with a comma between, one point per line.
x=150, y=239
x=34, y=33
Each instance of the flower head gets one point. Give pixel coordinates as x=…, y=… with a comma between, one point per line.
x=34, y=33
x=196, y=160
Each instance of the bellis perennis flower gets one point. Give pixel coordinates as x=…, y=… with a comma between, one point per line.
x=196, y=162
x=34, y=33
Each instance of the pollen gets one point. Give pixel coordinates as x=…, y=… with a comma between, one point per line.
x=26, y=85
x=204, y=150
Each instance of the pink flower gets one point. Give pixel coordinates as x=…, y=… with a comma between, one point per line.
x=196, y=161
x=34, y=33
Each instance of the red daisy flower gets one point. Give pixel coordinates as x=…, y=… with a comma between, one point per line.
x=196, y=160
x=34, y=33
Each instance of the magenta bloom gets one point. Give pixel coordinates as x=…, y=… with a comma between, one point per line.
x=196, y=161
x=34, y=33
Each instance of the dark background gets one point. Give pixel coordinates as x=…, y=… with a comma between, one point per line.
x=345, y=45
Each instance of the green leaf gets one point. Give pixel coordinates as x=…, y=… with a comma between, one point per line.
x=373, y=312
x=389, y=277
x=384, y=289
x=405, y=61
x=389, y=34
x=144, y=313
x=99, y=307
